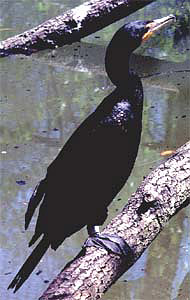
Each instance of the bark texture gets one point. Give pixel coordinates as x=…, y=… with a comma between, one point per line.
x=70, y=26
x=161, y=195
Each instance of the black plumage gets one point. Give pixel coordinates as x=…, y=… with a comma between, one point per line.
x=96, y=161
x=85, y=177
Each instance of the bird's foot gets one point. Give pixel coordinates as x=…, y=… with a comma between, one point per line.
x=111, y=242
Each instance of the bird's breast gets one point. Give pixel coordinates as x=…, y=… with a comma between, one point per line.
x=121, y=115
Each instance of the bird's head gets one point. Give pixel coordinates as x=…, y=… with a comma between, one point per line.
x=128, y=38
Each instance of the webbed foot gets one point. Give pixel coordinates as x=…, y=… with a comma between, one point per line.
x=110, y=242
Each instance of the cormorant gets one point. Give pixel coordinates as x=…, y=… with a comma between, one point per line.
x=96, y=161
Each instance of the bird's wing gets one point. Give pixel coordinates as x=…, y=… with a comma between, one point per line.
x=85, y=176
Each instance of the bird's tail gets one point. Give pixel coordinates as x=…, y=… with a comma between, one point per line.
x=35, y=199
x=29, y=264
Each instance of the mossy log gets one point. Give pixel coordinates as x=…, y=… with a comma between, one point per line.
x=70, y=26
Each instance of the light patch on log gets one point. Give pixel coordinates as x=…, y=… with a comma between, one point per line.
x=80, y=13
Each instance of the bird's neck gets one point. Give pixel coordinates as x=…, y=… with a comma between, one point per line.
x=130, y=93
x=131, y=89
x=117, y=66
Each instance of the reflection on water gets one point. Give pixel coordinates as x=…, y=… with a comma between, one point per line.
x=43, y=99
x=183, y=265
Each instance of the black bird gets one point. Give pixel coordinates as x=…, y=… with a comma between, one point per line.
x=98, y=158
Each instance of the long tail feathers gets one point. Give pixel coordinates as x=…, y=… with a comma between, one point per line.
x=29, y=264
x=35, y=199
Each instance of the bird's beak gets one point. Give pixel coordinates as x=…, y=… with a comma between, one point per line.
x=155, y=25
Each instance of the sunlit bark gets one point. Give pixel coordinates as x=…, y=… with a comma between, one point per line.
x=161, y=195
x=71, y=26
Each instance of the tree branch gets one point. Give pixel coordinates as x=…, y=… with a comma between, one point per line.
x=70, y=26
x=161, y=195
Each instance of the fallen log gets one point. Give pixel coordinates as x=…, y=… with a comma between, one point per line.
x=164, y=192
x=70, y=26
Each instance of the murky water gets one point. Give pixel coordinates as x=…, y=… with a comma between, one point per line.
x=43, y=98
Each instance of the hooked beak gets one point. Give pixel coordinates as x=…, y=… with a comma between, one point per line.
x=155, y=25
